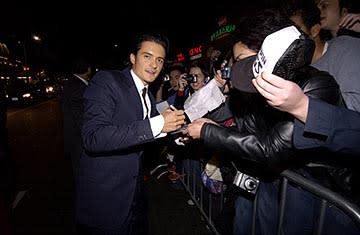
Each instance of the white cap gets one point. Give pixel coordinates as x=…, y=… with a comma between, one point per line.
x=273, y=47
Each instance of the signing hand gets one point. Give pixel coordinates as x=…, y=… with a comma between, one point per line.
x=173, y=120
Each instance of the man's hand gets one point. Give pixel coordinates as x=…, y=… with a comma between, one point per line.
x=282, y=94
x=220, y=82
x=182, y=83
x=173, y=120
x=194, y=129
x=351, y=21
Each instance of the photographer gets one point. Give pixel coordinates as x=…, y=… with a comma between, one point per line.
x=191, y=82
x=170, y=84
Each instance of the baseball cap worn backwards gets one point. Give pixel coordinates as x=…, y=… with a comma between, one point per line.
x=273, y=47
x=281, y=53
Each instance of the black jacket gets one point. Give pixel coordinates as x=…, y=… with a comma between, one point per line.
x=262, y=138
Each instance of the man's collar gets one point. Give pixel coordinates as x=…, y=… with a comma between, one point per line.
x=138, y=82
x=82, y=79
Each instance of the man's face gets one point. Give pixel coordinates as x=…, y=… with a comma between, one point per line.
x=148, y=61
x=330, y=14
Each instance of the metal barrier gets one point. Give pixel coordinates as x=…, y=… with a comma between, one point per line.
x=204, y=199
x=326, y=195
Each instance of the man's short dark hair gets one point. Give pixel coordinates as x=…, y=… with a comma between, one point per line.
x=151, y=37
x=81, y=64
x=306, y=9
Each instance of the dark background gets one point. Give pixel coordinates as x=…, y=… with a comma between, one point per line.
x=69, y=28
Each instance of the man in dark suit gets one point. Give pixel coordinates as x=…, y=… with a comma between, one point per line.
x=72, y=104
x=118, y=124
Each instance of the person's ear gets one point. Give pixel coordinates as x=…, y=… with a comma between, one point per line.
x=89, y=72
x=315, y=30
x=132, y=58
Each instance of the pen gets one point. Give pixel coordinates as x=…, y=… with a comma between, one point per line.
x=172, y=108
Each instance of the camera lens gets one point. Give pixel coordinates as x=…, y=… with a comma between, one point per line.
x=191, y=78
x=250, y=184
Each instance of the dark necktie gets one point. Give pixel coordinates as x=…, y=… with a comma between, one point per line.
x=144, y=98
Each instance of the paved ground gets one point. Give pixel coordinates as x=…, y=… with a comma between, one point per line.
x=47, y=209
x=45, y=182
x=169, y=212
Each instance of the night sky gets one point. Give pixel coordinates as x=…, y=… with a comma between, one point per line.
x=69, y=28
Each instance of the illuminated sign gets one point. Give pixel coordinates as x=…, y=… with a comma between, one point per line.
x=195, y=50
x=197, y=56
x=180, y=57
x=222, y=32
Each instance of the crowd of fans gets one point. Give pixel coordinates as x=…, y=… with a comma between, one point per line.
x=263, y=140
x=290, y=72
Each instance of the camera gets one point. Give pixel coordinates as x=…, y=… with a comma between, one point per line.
x=190, y=78
x=246, y=182
x=226, y=73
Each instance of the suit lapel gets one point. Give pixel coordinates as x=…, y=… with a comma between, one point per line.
x=133, y=92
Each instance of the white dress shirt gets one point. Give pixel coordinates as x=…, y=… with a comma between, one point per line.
x=157, y=122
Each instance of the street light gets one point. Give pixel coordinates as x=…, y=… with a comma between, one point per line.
x=35, y=38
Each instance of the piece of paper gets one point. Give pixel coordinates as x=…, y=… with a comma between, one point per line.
x=203, y=101
x=162, y=106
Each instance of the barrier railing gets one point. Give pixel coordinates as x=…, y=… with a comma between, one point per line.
x=326, y=195
x=204, y=199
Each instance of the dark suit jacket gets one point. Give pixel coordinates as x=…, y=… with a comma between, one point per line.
x=72, y=105
x=114, y=135
x=332, y=127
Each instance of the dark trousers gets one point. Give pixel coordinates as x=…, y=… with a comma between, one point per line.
x=136, y=222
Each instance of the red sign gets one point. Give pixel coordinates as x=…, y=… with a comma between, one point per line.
x=180, y=57
x=195, y=50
